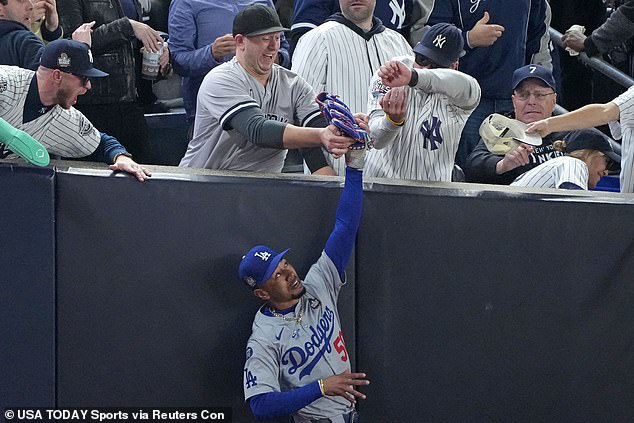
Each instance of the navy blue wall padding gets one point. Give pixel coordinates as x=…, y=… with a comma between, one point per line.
x=151, y=311
x=27, y=287
x=496, y=309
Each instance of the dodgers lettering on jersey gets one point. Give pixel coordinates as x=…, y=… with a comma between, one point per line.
x=625, y=102
x=424, y=148
x=282, y=355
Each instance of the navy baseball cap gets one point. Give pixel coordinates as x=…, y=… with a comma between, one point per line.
x=533, y=71
x=592, y=140
x=70, y=56
x=442, y=43
x=257, y=19
x=258, y=265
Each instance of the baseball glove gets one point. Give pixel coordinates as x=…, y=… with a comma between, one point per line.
x=337, y=113
x=23, y=144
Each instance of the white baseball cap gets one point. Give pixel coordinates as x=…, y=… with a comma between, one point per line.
x=502, y=134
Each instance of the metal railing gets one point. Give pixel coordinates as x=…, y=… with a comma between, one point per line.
x=596, y=63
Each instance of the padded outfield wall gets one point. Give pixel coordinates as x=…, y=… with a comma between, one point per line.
x=464, y=303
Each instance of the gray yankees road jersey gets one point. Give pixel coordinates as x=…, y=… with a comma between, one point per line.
x=554, y=173
x=424, y=148
x=626, y=109
x=66, y=133
x=334, y=58
x=226, y=90
x=284, y=355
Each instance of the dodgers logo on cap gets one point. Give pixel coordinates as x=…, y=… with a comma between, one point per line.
x=257, y=265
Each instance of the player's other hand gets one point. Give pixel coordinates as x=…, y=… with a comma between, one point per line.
x=83, y=33
x=394, y=73
x=344, y=384
x=126, y=164
x=542, y=127
x=394, y=103
x=335, y=143
x=223, y=46
x=484, y=34
x=574, y=40
x=514, y=158
x=150, y=38
x=363, y=121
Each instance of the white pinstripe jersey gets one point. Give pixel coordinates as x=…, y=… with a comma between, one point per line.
x=66, y=133
x=334, y=58
x=554, y=173
x=228, y=89
x=424, y=148
x=625, y=102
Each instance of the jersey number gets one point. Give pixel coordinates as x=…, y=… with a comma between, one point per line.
x=250, y=379
x=340, y=346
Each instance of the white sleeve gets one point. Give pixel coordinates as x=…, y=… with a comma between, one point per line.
x=382, y=131
x=625, y=102
x=221, y=95
x=310, y=60
x=462, y=89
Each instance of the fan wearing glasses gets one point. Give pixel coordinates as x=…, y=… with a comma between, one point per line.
x=534, y=98
x=41, y=102
x=588, y=156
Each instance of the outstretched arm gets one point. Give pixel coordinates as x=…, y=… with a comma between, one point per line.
x=585, y=117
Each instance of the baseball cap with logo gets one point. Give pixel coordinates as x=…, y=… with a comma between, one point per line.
x=591, y=140
x=70, y=56
x=502, y=134
x=533, y=71
x=258, y=265
x=442, y=43
x=257, y=19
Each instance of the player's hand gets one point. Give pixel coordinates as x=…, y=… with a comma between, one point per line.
x=83, y=33
x=222, y=46
x=574, y=40
x=542, y=127
x=164, y=60
x=46, y=9
x=343, y=385
x=394, y=103
x=150, y=38
x=126, y=164
x=394, y=73
x=514, y=158
x=335, y=143
x=484, y=34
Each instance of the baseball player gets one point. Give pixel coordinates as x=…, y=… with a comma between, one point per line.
x=416, y=129
x=41, y=104
x=341, y=55
x=296, y=358
x=620, y=109
x=248, y=108
x=588, y=155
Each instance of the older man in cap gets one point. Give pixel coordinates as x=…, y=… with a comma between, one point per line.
x=251, y=110
x=41, y=103
x=418, y=106
x=534, y=98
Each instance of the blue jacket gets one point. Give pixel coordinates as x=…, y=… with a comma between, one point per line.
x=524, y=25
x=21, y=47
x=193, y=27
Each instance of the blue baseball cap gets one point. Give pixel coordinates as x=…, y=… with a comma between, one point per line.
x=442, y=43
x=533, y=71
x=591, y=140
x=258, y=265
x=70, y=56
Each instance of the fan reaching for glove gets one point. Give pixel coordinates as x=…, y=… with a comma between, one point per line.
x=338, y=114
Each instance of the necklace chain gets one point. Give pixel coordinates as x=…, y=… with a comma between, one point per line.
x=296, y=318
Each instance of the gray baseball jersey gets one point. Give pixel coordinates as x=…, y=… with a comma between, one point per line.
x=424, y=148
x=554, y=173
x=625, y=102
x=226, y=90
x=66, y=133
x=336, y=59
x=283, y=355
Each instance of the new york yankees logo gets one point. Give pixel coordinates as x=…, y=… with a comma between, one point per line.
x=431, y=133
x=263, y=255
x=440, y=40
x=398, y=13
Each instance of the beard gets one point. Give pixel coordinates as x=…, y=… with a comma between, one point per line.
x=300, y=294
x=64, y=98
